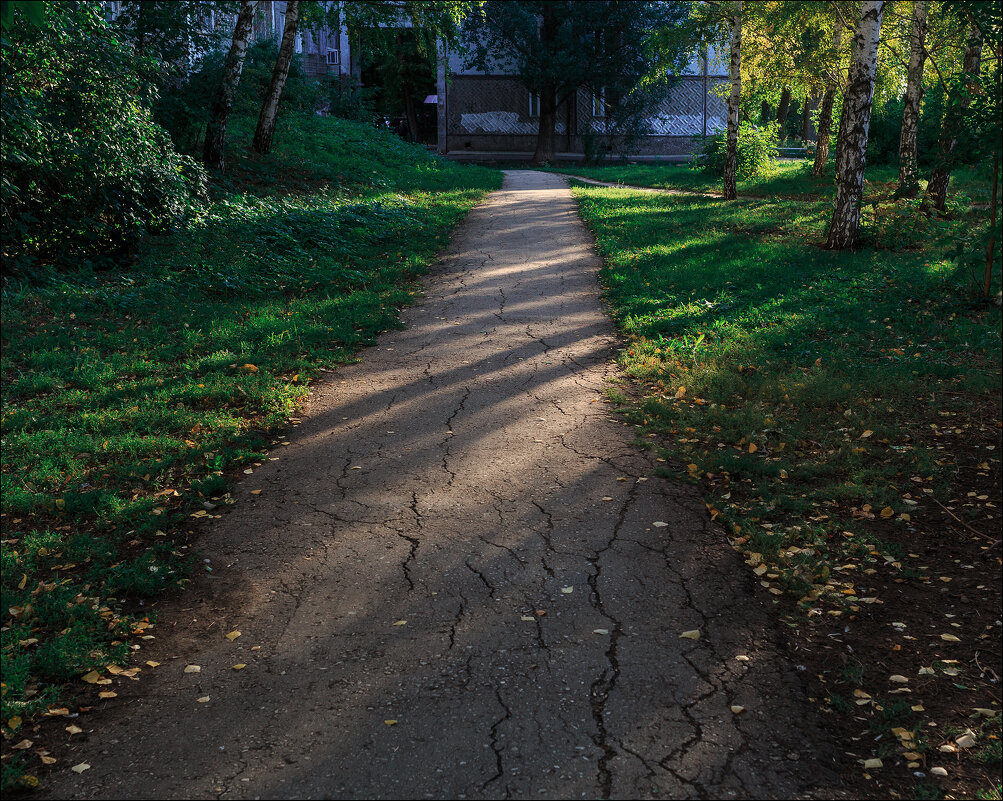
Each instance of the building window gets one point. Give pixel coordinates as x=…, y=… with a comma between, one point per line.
x=298, y=47
x=334, y=58
x=534, y=105
x=599, y=104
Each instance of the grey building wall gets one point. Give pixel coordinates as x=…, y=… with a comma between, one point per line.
x=492, y=112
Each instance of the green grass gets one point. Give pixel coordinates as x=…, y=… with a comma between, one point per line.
x=806, y=390
x=787, y=179
x=129, y=395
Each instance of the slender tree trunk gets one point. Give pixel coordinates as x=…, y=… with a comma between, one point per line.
x=764, y=113
x=825, y=113
x=735, y=73
x=545, y=137
x=782, y=110
x=548, y=94
x=808, y=105
x=908, y=156
x=987, y=281
x=270, y=108
x=852, y=153
x=222, y=104
x=412, y=117
x=936, y=190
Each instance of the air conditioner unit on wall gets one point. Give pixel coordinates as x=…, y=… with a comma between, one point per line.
x=334, y=57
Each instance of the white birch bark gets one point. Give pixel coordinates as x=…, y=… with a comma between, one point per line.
x=222, y=105
x=270, y=108
x=852, y=155
x=908, y=166
x=735, y=73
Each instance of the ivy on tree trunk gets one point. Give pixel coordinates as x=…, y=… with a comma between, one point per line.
x=270, y=108
x=851, y=155
x=908, y=157
x=825, y=112
x=222, y=104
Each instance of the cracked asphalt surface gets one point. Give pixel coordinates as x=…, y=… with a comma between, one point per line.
x=460, y=537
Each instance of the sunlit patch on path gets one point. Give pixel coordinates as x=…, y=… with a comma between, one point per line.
x=461, y=579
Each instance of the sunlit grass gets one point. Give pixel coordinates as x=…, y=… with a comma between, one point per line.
x=130, y=395
x=798, y=385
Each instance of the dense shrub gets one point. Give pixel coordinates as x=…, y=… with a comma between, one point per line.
x=85, y=169
x=757, y=150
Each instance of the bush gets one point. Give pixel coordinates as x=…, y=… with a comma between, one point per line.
x=86, y=170
x=757, y=150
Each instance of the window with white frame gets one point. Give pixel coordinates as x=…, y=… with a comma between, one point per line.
x=298, y=47
x=534, y=104
x=599, y=104
x=334, y=58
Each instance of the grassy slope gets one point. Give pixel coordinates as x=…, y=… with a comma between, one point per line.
x=825, y=402
x=787, y=179
x=127, y=395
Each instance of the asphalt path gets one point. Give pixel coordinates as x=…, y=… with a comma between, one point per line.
x=462, y=579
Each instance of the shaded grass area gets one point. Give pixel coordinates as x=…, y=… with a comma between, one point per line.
x=804, y=378
x=841, y=413
x=786, y=179
x=129, y=395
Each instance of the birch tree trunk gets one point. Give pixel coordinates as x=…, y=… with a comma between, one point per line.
x=735, y=73
x=222, y=104
x=270, y=108
x=856, y=120
x=936, y=190
x=825, y=113
x=908, y=166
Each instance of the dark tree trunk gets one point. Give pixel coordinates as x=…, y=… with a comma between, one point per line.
x=270, y=108
x=825, y=113
x=735, y=73
x=222, y=104
x=548, y=94
x=936, y=190
x=808, y=106
x=783, y=109
x=908, y=157
x=851, y=156
x=764, y=113
x=548, y=121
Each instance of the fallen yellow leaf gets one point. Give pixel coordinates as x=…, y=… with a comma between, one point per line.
x=193, y=668
x=233, y=635
x=107, y=694
x=74, y=729
x=694, y=634
x=239, y=666
x=91, y=678
x=80, y=768
x=390, y=722
x=203, y=700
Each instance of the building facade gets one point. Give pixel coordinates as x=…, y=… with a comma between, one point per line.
x=491, y=112
x=324, y=51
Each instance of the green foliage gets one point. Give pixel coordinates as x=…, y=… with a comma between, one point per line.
x=127, y=402
x=796, y=351
x=757, y=150
x=86, y=172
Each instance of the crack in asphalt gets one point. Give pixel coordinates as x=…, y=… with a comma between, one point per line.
x=405, y=655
